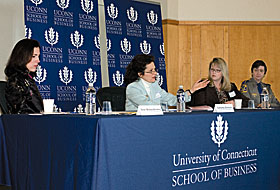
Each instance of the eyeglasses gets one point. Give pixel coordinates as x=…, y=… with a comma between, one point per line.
x=215, y=70
x=152, y=71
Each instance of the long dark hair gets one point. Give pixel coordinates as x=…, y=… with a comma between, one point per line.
x=137, y=65
x=20, y=56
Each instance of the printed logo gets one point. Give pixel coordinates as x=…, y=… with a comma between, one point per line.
x=87, y=6
x=77, y=39
x=27, y=32
x=152, y=17
x=37, y=2
x=161, y=49
x=118, y=78
x=112, y=11
x=63, y=4
x=125, y=46
x=51, y=36
x=159, y=79
x=41, y=74
x=145, y=47
x=132, y=14
x=219, y=131
x=97, y=42
x=65, y=75
x=90, y=76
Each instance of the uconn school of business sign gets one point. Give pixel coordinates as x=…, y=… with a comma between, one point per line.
x=219, y=165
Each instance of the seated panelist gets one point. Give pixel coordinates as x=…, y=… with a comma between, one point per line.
x=142, y=87
x=220, y=90
x=253, y=88
x=22, y=94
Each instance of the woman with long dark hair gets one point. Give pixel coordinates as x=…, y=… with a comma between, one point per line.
x=22, y=94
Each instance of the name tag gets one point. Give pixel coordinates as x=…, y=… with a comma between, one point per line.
x=221, y=108
x=149, y=110
x=231, y=94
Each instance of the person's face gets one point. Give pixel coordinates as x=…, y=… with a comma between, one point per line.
x=216, y=73
x=258, y=73
x=32, y=65
x=150, y=73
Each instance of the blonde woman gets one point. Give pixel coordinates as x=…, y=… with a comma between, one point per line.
x=220, y=90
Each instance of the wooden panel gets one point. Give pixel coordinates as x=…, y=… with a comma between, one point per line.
x=171, y=56
x=191, y=45
x=249, y=43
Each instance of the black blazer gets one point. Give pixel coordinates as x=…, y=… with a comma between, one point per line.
x=208, y=96
x=22, y=94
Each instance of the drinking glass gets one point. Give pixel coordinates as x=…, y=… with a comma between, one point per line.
x=251, y=104
x=107, y=108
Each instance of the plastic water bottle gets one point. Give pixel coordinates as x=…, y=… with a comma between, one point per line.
x=264, y=98
x=181, y=99
x=90, y=100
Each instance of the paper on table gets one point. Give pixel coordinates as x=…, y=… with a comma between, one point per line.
x=201, y=108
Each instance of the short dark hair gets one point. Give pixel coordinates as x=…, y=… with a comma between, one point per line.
x=20, y=56
x=137, y=65
x=258, y=63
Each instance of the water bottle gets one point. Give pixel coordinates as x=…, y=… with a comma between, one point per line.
x=264, y=98
x=90, y=100
x=181, y=99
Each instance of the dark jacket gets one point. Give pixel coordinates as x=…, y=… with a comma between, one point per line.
x=208, y=96
x=22, y=94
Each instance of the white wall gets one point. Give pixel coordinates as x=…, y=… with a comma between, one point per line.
x=228, y=10
x=12, y=28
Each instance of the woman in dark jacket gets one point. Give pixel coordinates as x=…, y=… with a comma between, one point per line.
x=22, y=94
x=220, y=90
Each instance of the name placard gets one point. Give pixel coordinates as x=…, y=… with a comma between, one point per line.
x=149, y=110
x=221, y=108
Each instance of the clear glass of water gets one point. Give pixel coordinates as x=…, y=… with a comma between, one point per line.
x=251, y=104
x=106, y=108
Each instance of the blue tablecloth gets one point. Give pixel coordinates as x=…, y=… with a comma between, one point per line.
x=176, y=151
x=4, y=164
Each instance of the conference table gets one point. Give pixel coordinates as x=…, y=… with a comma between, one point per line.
x=197, y=150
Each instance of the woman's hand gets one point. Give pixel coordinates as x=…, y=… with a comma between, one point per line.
x=230, y=102
x=199, y=84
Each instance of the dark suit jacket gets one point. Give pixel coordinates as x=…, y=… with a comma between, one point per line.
x=208, y=96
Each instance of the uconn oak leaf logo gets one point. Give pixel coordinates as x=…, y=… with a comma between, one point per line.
x=41, y=74
x=159, y=79
x=27, y=32
x=118, y=78
x=112, y=11
x=145, y=47
x=87, y=6
x=77, y=39
x=51, y=36
x=152, y=17
x=125, y=46
x=132, y=14
x=65, y=75
x=161, y=49
x=63, y=4
x=90, y=76
x=97, y=42
x=219, y=131
x=37, y=2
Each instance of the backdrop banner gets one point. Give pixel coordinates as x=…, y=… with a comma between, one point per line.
x=70, y=56
x=133, y=28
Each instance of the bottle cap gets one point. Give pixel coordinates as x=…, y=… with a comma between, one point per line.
x=181, y=86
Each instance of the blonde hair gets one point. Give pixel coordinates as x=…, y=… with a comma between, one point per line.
x=225, y=82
